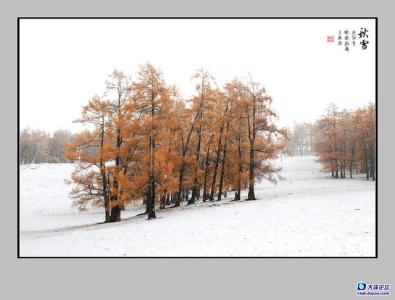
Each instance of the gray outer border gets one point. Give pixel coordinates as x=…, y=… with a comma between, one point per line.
x=183, y=278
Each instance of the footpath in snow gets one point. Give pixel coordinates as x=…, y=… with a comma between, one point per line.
x=308, y=214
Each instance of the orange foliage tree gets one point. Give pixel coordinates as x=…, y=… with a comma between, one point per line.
x=147, y=143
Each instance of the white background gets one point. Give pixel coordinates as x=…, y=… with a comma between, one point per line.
x=63, y=63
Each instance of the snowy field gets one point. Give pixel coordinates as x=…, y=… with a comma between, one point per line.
x=309, y=214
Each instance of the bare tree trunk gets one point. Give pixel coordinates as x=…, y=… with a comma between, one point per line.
x=115, y=208
x=221, y=181
x=163, y=201
x=366, y=163
x=184, y=152
x=206, y=171
x=104, y=178
x=352, y=158
x=218, y=153
x=251, y=190
x=152, y=184
x=216, y=164
x=115, y=205
x=251, y=137
x=372, y=159
x=237, y=195
x=195, y=188
x=152, y=195
x=180, y=187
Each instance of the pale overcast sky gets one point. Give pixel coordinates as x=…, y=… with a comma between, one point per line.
x=63, y=63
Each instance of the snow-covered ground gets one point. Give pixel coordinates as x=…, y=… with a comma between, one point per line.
x=309, y=214
x=45, y=202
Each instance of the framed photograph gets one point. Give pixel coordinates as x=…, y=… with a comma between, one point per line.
x=197, y=137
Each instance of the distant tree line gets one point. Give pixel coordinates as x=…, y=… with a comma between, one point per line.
x=150, y=143
x=346, y=141
x=38, y=146
x=301, y=139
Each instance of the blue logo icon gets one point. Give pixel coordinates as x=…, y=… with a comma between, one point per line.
x=361, y=286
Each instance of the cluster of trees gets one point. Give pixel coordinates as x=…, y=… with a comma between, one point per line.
x=346, y=141
x=37, y=146
x=301, y=139
x=149, y=143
